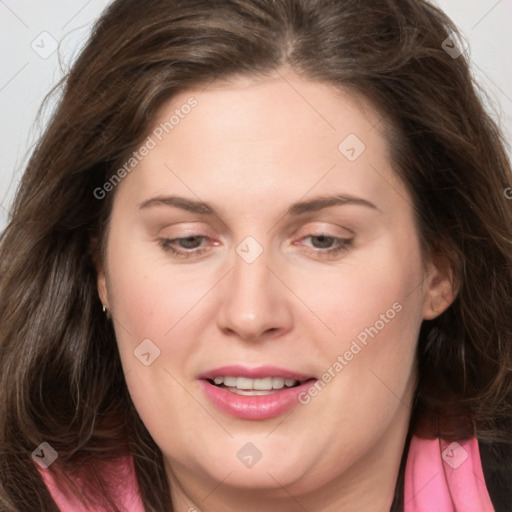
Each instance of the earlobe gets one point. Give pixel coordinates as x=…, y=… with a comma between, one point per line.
x=437, y=306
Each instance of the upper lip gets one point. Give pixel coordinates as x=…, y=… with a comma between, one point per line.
x=258, y=372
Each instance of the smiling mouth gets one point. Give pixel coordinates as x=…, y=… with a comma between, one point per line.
x=254, y=387
x=254, y=393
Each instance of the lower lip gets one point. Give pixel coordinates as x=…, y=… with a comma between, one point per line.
x=257, y=407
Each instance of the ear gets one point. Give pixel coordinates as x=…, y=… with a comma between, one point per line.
x=101, y=278
x=102, y=288
x=441, y=288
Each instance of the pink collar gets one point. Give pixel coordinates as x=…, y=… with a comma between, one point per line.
x=127, y=497
x=445, y=477
x=439, y=477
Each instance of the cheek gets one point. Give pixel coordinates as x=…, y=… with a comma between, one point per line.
x=153, y=300
x=378, y=288
x=372, y=307
x=148, y=295
x=150, y=304
x=369, y=361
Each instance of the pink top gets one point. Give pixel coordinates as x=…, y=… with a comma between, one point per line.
x=439, y=477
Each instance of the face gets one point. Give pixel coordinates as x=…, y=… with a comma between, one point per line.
x=264, y=274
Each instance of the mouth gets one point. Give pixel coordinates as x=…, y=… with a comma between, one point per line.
x=254, y=393
x=255, y=387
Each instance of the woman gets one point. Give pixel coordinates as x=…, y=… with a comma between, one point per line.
x=261, y=259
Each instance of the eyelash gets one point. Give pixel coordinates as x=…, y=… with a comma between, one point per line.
x=344, y=244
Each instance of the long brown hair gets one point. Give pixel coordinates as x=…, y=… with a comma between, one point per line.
x=61, y=378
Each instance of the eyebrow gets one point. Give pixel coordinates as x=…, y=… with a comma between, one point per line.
x=300, y=208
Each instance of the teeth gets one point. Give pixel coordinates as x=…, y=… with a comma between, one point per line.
x=277, y=383
x=262, y=384
x=229, y=382
x=243, y=383
x=266, y=384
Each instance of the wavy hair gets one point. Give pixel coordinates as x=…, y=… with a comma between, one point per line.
x=61, y=378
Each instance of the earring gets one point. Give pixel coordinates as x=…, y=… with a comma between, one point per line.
x=105, y=310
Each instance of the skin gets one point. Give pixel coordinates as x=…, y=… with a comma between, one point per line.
x=250, y=149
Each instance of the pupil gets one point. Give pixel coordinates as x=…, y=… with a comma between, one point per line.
x=323, y=239
x=185, y=242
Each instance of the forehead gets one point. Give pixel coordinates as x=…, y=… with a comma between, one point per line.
x=244, y=139
x=263, y=107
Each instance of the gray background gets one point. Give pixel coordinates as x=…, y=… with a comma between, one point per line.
x=39, y=41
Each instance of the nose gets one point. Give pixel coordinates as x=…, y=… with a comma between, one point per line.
x=255, y=301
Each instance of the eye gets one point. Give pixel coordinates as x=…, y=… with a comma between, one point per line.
x=183, y=247
x=186, y=247
x=325, y=247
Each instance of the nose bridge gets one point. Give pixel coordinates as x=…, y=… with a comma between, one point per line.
x=254, y=300
x=250, y=273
